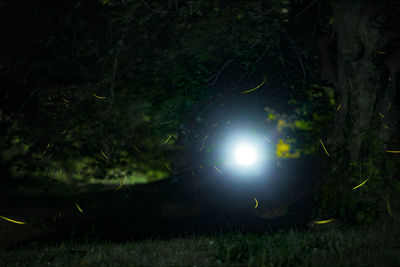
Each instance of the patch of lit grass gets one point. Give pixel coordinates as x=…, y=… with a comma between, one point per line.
x=137, y=178
x=131, y=179
x=375, y=245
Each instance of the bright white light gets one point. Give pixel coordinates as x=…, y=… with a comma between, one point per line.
x=245, y=155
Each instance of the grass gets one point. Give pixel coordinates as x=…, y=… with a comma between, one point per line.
x=375, y=245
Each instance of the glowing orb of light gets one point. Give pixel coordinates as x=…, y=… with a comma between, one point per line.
x=245, y=154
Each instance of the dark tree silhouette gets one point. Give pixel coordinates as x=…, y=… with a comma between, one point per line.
x=366, y=125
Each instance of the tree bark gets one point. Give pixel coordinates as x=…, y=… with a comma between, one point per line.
x=367, y=122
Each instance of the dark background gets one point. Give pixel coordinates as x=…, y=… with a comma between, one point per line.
x=120, y=108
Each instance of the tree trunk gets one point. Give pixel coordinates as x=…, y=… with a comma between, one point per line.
x=367, y=122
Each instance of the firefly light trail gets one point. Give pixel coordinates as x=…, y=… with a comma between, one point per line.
x=324, y=147
x=360, y=184
x=325, y=221
x=248, y=91
x=13, y=221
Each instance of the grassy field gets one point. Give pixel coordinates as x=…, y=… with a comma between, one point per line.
x=374, y=245
x=57, y=233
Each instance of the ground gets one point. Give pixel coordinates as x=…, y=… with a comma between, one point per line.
x=197, y=220
x=206, y=203
x=372, y=245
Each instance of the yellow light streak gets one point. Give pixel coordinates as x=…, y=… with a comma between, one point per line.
x=99, y=97
x=168, y=167
x=360, y=184
x=166, y=141
x=121, y=184
x=340, y=104
x=63, y=132
x=165, y=122
x=392, y=151
x=388, y=205
x=385, y=126
x=322, y=222
x=248, y=91
x=104, y=155
x=326, y=151
x=380, y=114
x=13, y=221
x=256, y=203
x=381, y=52
x=44, y=152
x=137, y=149
x=78, y=207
